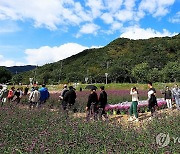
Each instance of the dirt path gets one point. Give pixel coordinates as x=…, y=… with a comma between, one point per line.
x=143, y=117
x=121, y=119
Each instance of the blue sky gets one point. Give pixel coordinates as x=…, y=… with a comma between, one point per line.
x=44, y=31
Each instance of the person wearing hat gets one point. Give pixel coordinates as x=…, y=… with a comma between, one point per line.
x=102, y=103
x=69, y=99
x=92, y=103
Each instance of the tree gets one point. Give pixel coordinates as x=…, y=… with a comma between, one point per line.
x=171, y=72
x=118, y=74
x=5, y=75
x=140, y=72
x=16, y=79
x=155, y=75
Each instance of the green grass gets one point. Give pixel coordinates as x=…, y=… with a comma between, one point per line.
x=42, y=131
x=111, y=86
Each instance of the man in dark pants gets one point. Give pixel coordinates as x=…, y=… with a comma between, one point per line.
x=69, y=100
x=91, y=107
x=152, y=102
x=63, y=92
x=102, y=103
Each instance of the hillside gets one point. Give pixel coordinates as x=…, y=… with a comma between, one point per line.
x=125, y=60
x=20, y=69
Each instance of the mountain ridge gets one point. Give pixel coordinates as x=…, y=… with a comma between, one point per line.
x=120, y=58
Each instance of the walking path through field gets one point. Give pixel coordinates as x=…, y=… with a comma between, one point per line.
x=143, y=117
x=122, y=119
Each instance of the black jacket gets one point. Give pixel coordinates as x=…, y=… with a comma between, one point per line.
x=152, y=101
x=70, y=97
x=102, y=99
x=93, y=98
x=167, y=94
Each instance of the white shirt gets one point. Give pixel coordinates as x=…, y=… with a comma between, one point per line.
x=134, y=95
x=150, y=93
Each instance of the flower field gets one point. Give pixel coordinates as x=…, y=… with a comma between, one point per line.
x=44, y=131
x=114, y=97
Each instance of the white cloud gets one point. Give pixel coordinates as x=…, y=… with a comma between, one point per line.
x=89, y=28
x=7, y=62
x=48, y=54
x=107, y=18
x=112, y=5
x=139, y=33
x=44, y=55
x=96, y=7
x=116, y=26
x=54, y=14
x=176, y=18
x=46, y=13
x=124, y=15
x=156, y=8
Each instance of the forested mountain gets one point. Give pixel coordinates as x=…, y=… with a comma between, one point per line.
x=125, y=60
x=20, y=69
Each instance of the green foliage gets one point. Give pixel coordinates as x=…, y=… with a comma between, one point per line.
x=121, y=59
x=5, y=75
x=140, y=72
x=171, y=72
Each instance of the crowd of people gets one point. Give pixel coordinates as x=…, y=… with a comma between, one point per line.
x=169, y=96
x=95, y=107
x=37, y=96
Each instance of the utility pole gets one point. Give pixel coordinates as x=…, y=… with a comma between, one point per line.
x=107, y=65
x=106, y=74
x=60, y=71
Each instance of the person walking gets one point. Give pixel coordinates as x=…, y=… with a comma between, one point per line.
x=44, y=95
x=11, y=94
x=4, y=94
x=18, y=96
x=134, y=104
x=152, y=101
x=176, y=96
x=63, y=92
x=26, y=89
x=92, y=103
x=34, y=98
x=168, y=97
x=1, y=92
x=69, y=100
x=102, y=103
